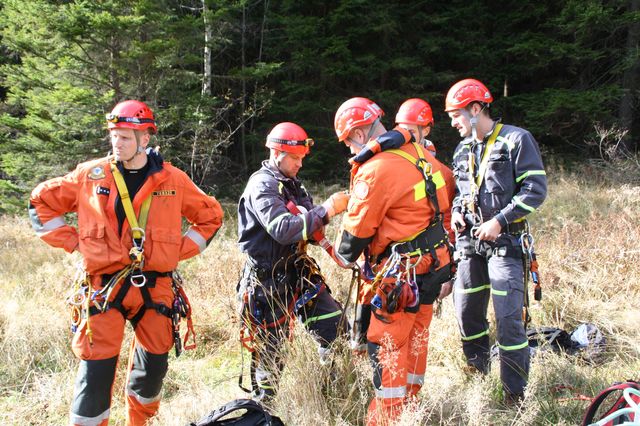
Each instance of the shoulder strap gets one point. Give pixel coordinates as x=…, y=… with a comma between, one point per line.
x=424, y=167
x=485, y=154
x=137, y=226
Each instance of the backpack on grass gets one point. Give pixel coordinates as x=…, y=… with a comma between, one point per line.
x=254, y=415
x=619, y=404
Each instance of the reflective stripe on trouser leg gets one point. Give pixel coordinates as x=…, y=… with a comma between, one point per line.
x=388, y=348
x=508, y=298
x=92, y=392
x=144, y=384
x=323, y=318
x=418, y=350
x=471, y=299
x=273, y=306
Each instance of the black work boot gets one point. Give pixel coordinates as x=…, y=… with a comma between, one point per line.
x=512, y=400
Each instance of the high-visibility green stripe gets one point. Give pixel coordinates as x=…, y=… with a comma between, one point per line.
x=322, y=317
x=514, y=347
x=523, y=205
x=507, y=141
x=498, y=292
x=473, y=289
x=531, y=173
x=275, y=221
x=264, y=386
x=476, y=336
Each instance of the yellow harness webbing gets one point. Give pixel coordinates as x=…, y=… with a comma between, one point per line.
x=485, y=156
x=137, y=224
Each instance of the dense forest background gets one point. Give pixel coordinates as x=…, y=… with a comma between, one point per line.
x=219, y=74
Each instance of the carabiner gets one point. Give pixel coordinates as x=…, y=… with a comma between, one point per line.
x=142, y=237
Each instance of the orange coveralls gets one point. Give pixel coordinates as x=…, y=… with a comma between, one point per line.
x=387, y=206
x=91, y=192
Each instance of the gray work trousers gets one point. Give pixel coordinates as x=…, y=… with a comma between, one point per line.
x=493, y=271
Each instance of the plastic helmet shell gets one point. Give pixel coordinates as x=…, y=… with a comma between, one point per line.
x=355, y=112
x=132, y=114
x=289, y=137
x=466, y=91
x=415, y=111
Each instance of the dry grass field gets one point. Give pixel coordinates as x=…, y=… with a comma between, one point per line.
x=587, y=239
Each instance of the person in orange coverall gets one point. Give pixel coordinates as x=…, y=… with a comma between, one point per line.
x=130, y=249
x=399, y=193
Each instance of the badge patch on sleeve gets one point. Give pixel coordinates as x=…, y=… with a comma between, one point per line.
x=361, y=190
x=96, y=173
x=164, y=193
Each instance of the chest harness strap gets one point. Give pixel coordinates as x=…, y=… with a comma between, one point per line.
x=475, y=180
x=434, y=235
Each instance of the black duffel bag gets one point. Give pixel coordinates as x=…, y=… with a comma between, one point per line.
x=254, y=415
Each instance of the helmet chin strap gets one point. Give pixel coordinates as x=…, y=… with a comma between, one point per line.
x=372, y=129
x=139, y=147
x=473, y=120
x=278, y=158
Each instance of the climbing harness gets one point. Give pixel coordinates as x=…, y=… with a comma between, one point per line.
x=475, y=181
x=308, y=285
x=434, y=236
x=395, y=286
x=85, y=301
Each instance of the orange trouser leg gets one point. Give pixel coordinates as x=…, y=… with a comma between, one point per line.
x=148, y=359
x=98, y=352
x=418, y=350
x=388, y=346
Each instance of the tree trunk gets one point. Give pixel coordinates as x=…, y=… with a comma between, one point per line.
x=243, y=101
x=206, y=77
x=630, y=78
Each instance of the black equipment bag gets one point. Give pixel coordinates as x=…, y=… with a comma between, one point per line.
x=254, y=415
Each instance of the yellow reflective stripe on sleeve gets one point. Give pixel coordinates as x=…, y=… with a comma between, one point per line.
x=523, y=205
x=473, y=289
x=275, y=221
x=322, y=317
x=476, y=336
x=514, y=347
x=531, y=173
x=499, y=292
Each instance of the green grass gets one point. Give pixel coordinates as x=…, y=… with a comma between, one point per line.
x=587, y=237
